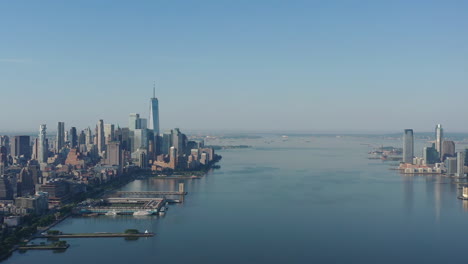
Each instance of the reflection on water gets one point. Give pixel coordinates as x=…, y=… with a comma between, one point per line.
x=286, y=202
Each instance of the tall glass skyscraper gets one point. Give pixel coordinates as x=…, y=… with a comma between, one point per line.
x=408, y=146
x=43, y=147
x=154, y=114
x=439, y=139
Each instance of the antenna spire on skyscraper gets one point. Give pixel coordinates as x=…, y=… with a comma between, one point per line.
x=154, y=89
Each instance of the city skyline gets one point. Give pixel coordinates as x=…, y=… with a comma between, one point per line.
x=262, y=65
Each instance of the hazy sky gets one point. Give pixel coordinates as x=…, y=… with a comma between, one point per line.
x=243, y=65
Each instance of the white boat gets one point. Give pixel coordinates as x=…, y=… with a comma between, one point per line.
x=141, y=213
x=111, y=213
x=162, y=209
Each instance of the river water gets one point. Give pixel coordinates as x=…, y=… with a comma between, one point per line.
x=306, y=199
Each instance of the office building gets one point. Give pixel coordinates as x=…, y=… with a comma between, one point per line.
x=101, y=143
x=109, y=132
x=430, y=155
x=20, y=146
x=113, y=154
x=73, y=137
x=42, y=147
x=439, y=133
x=448, y=149
x=408, y=146
x=460, y=164
x=154, y=114
x=60, y=136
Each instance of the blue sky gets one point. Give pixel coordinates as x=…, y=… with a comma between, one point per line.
x=236, y=65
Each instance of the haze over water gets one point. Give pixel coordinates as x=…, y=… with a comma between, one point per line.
x=301, y=200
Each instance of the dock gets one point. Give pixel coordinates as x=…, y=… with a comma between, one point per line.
x=96, y=235
x=154, y=193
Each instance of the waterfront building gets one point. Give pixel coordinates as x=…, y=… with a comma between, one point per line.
x=460, y=164
x=408, y=146
x=448, y=149
x=36, y=204
x=430, y=155
x=59, y=191
x=154, y=114
x=139, y=158
x=439, y=133
x=451, y=165
x=101, y=143
x=60, y=137
x=42, y=147
x=20, y=146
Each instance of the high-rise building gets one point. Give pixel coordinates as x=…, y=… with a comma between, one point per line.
x=166, y=142
x=133, y=122
x=154, y=114
x=109, y=132
x=5, y=141
x=20, y=145
x=439, y=138
x=113, y=154
x=430, y=155
x=89, y=136
x=448, y=149
x=42, y=148
x=73, y=137
x=451, y=165
x=100, y=137
x=60, y=136
x=140, y=139
x=408, y=146
x=461, y=164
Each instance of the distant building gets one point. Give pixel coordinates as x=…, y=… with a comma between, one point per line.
x=60, y=136
x=36, y=204
x=430, y=155
x=42, y=148
x=451, y=165
x=109, y=132
x=439, y=132
x=408, y=146
x=101, y=143
x=73, y=137
x=448, y=149
x=154, y=114
x=6, y=188
x=460, y=164
x=21, y=146
x=113, y=154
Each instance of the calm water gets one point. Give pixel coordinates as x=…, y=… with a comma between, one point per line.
x=288, y=201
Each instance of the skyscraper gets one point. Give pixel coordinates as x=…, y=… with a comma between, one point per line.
x=20, y=145
x=109, y=132
x=89, y=136
x=439, y=138
x=133, y=122
x=154, y=114
x=60, y=136
x=448, y=149
x=461, y=164
x=100, y=137
x=42, y=148
x=408, y=146
x=73, y=137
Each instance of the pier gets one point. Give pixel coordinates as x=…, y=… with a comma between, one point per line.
x=96, y=235
x=154, y=193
